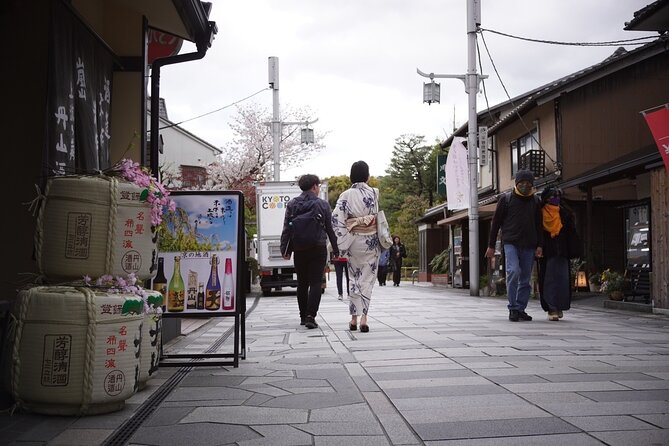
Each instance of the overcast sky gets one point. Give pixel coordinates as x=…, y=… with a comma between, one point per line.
x=353, y=63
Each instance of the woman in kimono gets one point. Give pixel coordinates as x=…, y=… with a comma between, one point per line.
x=354, y=224
x=554, y=274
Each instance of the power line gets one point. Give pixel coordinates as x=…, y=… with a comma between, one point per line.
x=635, y=41
x=214, y=111
x=485, y=45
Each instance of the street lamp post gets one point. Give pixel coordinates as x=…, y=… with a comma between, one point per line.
x=277, y=125
x=471, y=80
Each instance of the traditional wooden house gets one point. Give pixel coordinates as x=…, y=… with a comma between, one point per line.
x=586, y=133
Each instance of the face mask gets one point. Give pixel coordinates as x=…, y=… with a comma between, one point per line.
x=524, y=189
x=554, y=201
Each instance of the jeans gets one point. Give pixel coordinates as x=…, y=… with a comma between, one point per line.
x=341, y=268
x=382, y=274
x=309, y=266
x=518, y=272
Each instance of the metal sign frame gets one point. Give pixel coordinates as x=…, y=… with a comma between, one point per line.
x=214, y=222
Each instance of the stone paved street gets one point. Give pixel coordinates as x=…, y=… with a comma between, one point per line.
x=438, y=367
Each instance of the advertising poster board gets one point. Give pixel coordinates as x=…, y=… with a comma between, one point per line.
x=201, y=258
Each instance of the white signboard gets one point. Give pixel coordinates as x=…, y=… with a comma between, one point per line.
x=457, y=176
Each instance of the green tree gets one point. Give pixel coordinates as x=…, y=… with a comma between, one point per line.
x=412, y=208
x=411, y=167
x=337, y=185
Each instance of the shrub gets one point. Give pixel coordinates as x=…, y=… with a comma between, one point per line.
x=612, y=281
x=441, y=263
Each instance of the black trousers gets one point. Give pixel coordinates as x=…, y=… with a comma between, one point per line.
x=341, y=268
x=382, y=274
x=397, y=272
x=309, y=266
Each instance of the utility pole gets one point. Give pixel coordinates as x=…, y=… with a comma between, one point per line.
x=277, y=124
x=473, y=22
x=276, y=118
x=471, y=81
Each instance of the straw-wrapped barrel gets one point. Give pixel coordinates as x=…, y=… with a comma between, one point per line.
x=74, y=351
x=94, y=225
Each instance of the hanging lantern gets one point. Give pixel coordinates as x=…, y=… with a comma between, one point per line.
x=307, y=136
x=431, y=92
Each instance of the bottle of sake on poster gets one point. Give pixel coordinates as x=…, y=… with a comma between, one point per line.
x=160, y=281
x=228, y=286
x=176, y=290
x=200, y=296
x=213, y=295
x=191, y=293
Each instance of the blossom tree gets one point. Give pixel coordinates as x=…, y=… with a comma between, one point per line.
x=248, y=157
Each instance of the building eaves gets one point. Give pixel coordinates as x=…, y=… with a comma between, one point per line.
x=618, y=60
x=652, y=17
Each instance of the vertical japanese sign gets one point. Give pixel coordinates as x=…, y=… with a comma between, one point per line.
x=201, y=253
x=441, y=175
x=658, y=122
x=457, y=176
x=79, y=97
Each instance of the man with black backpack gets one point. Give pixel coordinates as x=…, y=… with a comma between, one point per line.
x=518, y=215
x=306, y=227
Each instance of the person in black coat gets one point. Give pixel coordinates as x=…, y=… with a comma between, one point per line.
x=397, y=253
x=554, y=271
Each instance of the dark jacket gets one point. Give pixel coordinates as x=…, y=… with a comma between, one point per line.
x=520, y=220
x=287, y=247
x=394, y=258
x=559, y=245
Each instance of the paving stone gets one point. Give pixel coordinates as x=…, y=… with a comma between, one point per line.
x=278, y=436
x=528, y=440
x=339, y=440
x=492, y=428
x=473, y=413
x=167, y=416
x=625, y=438
x=659, y=420
x=246, y=415
x=210, y=434
x=616, y=408
x=628, y=395
x=81, y=437
x=608, y=423
x=208, y=393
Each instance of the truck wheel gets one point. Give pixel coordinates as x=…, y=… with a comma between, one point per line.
x=266, y=291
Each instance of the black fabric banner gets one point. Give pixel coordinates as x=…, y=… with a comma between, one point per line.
x=79, y=97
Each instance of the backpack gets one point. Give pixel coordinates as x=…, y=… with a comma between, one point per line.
x=307, y=224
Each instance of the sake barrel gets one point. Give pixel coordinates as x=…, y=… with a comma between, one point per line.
x=149, y=356
x=74, y=351
x=94, y=225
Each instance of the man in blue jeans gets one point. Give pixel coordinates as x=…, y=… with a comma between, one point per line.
x=518, y=215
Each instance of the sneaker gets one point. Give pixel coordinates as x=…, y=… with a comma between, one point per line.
x=553, y=316
x=560, y=314
x=513, y=315
x=522, y=316
x=310, y=323
x=340, y=297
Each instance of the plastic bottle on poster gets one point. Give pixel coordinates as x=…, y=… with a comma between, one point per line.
x=228, y=286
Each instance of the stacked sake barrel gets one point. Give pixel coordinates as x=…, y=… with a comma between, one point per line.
x=77, y=350
x=94, y=226
x=74, y=351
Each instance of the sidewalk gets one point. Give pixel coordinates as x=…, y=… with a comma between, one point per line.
x=438, y=367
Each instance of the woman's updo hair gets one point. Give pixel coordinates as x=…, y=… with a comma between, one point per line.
x=359, y=172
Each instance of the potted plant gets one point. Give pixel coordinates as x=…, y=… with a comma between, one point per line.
x=613, y=283
x=440, y=265
x=595, y=282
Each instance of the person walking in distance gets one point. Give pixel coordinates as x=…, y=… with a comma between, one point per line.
x=354, y=222
x=518, y=215
x=306, y=228
x=397, y=253
x=341, y=269
x=383, y=266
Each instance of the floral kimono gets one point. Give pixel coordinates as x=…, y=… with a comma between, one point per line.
x=354, y=224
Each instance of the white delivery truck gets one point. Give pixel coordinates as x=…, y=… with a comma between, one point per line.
x=271, y=200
